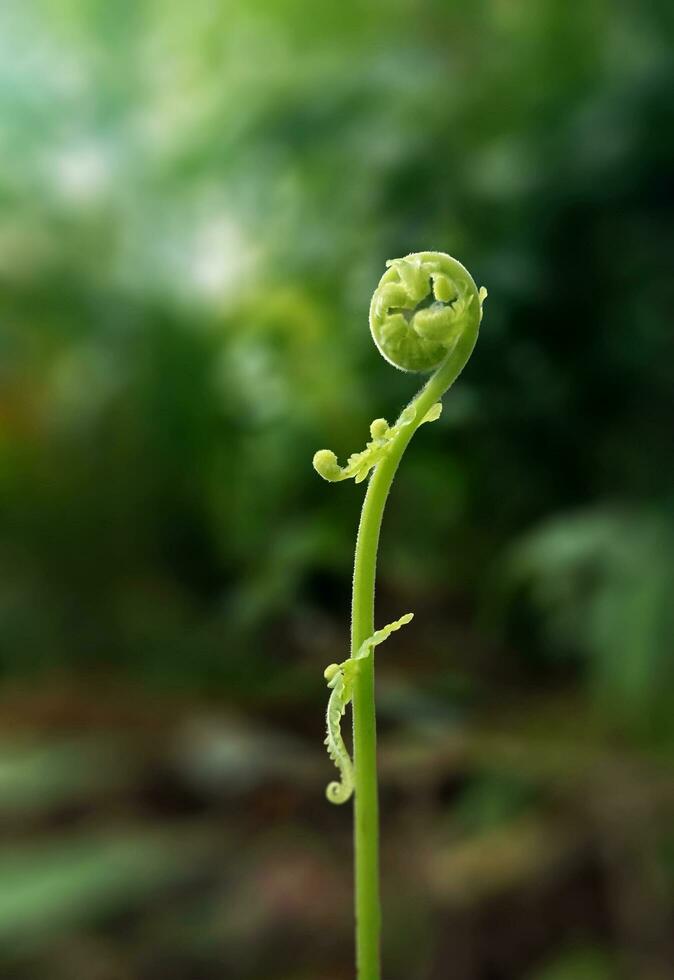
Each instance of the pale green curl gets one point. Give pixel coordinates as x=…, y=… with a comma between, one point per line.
x=359, y=465
x=421, y=307
x=340, y=679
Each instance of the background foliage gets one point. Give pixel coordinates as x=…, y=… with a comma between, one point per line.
x=196, y=204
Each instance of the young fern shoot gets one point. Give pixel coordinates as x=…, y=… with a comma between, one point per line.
x=424, y=316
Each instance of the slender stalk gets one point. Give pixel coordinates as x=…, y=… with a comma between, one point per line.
x=425, y=314
x=366, y=808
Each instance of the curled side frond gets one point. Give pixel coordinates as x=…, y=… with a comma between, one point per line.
x=359, y=464
x=340, y=678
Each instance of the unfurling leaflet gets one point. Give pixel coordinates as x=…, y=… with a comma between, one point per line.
x=359, y=464
x=340, y=679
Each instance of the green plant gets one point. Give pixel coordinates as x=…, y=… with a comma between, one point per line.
x=424, y=316
x=600, y=579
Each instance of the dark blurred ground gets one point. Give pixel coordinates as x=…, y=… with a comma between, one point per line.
x=196, y=202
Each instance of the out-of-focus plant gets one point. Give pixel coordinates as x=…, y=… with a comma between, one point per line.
x=424, y=316
x=602, y=582
x=581, y=963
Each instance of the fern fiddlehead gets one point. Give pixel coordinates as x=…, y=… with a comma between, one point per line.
x=424, y=316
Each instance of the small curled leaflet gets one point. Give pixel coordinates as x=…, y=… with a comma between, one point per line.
x=382, y=434
x=340, y=678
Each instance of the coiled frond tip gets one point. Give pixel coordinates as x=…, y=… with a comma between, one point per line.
x=424, y=302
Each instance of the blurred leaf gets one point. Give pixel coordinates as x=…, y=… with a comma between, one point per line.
x=39, y=776
x=57, y=885
x=602, y=581
x=579, y=964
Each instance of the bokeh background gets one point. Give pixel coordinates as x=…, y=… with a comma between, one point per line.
x=196, y=201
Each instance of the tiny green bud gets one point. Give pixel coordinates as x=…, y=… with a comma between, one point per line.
x=379, y=429
x=326, y=465
x=433, y=413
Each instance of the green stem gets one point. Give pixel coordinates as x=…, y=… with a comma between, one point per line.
x=366, y=815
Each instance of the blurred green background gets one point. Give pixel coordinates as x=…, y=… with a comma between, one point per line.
x=196, y=202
